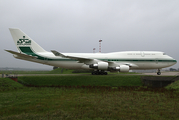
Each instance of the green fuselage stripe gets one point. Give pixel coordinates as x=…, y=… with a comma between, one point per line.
x=29, y=51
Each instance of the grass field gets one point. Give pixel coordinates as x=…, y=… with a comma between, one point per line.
x=174, y=85
x=112, y=81
x=19, y=102
x=7, y=84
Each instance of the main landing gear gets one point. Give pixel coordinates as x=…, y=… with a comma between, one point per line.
x=158, y=73
x=99, y=73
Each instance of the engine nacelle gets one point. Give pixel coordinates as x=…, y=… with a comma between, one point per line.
x=93, y=66
x=122, y=68
x=99, y=66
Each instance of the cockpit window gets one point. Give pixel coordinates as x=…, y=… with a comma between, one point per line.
x=164, y=54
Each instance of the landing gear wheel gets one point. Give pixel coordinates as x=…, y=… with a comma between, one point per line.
x=158, y=73
x=99, y=73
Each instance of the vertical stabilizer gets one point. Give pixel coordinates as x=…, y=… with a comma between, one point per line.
x=23, y=42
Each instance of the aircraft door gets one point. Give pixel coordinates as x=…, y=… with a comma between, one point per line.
x=142, y=54
x=156, y=61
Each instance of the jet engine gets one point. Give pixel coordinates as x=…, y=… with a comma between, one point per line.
x=121, y=68
x=100, y=66
x=105, y=66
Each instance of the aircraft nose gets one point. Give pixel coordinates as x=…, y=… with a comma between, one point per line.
x=174, y=61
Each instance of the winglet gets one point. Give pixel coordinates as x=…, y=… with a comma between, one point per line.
x=57, y=53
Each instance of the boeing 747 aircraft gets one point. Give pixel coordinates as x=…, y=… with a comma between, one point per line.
x=99, y=63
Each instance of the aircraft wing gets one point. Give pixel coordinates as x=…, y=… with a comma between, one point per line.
x=21, y=55
x=87, y=61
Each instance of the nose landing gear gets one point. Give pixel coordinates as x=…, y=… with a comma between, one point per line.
x=158, y=73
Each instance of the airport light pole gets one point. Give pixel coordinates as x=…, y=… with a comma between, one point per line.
x=100, y=45
x=94, y=50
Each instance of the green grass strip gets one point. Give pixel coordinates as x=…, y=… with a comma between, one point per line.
x=112, y=81
x=8, y=84
x=174, y=85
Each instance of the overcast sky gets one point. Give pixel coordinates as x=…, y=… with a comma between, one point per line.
x=77, y=26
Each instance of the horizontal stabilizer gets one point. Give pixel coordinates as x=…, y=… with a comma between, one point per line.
x=21, y=55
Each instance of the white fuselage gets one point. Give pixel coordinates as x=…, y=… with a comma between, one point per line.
x=136, y=59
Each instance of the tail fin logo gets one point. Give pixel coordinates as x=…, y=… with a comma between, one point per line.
x=24, y=41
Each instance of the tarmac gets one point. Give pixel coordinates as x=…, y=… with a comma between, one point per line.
x=163, y=74
x=88, y=74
